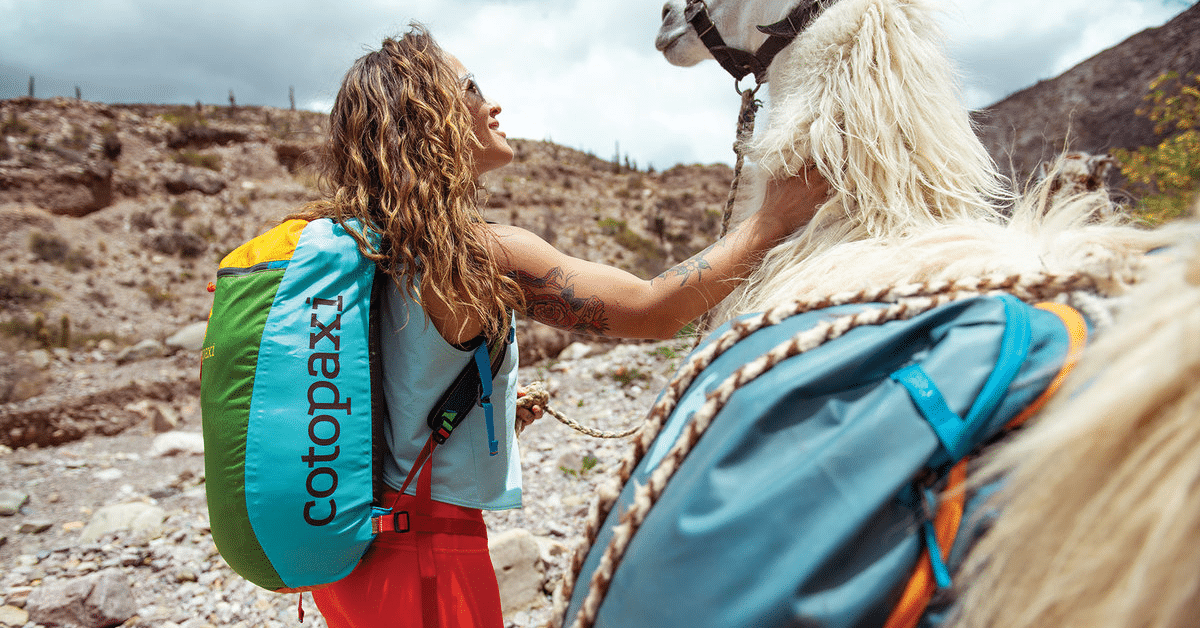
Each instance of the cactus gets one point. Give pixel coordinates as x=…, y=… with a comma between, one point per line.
x=65, y=331
x=40, y=333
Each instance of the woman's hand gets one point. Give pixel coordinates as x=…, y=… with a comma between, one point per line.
x=527, y=413
x=790, y=203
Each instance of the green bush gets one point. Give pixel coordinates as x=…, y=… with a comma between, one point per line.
x=14, y=290
x=184, y=117
x=200, y=160
x=1168, y=173
x=158, y=296
x=53, y=249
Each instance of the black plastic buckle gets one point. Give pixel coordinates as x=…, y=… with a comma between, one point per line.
x=396, y=521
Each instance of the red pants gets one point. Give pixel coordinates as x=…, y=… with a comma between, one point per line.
x=385, y=589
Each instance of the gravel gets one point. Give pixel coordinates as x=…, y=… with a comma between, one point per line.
x=179, y=580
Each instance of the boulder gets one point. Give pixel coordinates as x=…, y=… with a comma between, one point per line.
x=188, y=179
x=13, y=616
x=161, y=415
x=148, y=348
x=135, y=517
x=61, y=186
x=96, y=600
x=177, y=444
x=575, y=351
x=520, y=572
x=189, y=338
x=11, y=501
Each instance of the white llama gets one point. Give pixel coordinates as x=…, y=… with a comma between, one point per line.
x=1101, y=510
x=867, y=95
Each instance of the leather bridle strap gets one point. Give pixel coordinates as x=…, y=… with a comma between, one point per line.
x=739, y=62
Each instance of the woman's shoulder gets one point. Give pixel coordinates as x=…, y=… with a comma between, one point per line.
x=513, y=244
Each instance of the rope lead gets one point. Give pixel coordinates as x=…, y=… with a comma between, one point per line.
x=536, y=395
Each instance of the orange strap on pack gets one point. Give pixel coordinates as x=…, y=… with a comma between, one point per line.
x=920, y=587
x=1077, y=332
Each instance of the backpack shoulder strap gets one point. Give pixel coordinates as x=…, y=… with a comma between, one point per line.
x=474, y=383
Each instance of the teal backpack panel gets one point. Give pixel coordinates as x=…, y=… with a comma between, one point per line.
x=791, y=509
x=310, y=421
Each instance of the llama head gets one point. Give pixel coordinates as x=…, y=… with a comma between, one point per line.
x=736, y=20
x=868, y=95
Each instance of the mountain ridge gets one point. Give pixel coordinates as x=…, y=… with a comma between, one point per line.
x=1092, y=106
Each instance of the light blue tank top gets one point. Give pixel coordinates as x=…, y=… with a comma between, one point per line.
x=418, y=366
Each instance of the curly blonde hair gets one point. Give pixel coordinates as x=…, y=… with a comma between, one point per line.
x=399, y=160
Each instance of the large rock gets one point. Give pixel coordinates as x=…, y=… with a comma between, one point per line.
x=11, y=501
x=144, y=350
x=177, y=444
x=97, y=600
x=189, y=338
x=135, y=517
x=188, y=179
x=73, y=188
x=204, y=137
x=520, y=572
x=13, y=616
x=161, y=415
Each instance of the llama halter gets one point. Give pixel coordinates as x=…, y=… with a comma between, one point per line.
x=740, y=62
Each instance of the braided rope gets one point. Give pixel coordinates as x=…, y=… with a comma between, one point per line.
x=906, y=301
x=745, y=132
x=536, y=395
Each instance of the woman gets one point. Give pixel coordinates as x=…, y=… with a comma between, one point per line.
x=410, y=135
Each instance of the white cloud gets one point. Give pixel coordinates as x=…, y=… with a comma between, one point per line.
x=1003, y=47
x=582, y=73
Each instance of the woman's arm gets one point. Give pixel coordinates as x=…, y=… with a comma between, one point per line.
x=586, y=297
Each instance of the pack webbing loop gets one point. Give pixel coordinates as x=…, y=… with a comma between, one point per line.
x=1077, y=332
x=952, y=430
x=922, y=584
x=485, y=397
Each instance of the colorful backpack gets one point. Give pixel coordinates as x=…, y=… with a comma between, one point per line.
x=292, y=406
x=816, y=493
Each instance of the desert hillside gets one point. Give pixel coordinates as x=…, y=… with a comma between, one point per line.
x=113, y=219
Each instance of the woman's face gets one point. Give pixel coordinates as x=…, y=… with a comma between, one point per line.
x=495, y=151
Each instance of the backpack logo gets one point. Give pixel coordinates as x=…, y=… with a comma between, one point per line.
x=323, y=480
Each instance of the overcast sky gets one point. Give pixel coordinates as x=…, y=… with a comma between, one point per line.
x=581, y=73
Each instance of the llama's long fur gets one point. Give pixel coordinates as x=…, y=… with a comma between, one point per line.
x=1100, y=516
x=1046, y=234
x=868, y=95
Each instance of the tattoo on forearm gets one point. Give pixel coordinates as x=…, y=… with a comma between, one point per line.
x=686, y=270
x=692, y=267
x=551, y=299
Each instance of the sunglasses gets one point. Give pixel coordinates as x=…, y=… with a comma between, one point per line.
x=470, y=86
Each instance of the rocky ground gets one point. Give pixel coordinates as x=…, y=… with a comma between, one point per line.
x=112, y=221
x=126, y=513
